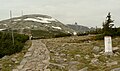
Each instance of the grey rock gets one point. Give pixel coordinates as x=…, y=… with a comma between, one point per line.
x=84, y=69
x=16, y=62
x=77, y=55
x=115, y=48
x=87, y=57
x=63, y=55
x=0, y=66
x=96, y=55
x=108, y=53
x=102, y=52
x=23, y=61
x=15, y=70
x=73, y=63
x=72, y=59
x=96, y=49
x=10, y=65
x=47, y=70
x=115, y=55
x=115, y=69
x=73, y=68
x=20, y=66
x=56, y=54
x=95, y=61
x=4, y=57
x=28, y=54
x=13, y=59
x=112, y=63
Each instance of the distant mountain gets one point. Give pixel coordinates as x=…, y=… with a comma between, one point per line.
x=35, y=22
x=78, y=28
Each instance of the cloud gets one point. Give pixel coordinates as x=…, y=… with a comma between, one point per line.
x=85, y=12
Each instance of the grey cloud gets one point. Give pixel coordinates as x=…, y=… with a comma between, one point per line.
x=85, y=12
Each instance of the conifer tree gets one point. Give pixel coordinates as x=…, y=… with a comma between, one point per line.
x=107, y=26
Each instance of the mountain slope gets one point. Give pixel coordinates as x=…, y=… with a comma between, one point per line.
x=35, y=22
x=78, y=28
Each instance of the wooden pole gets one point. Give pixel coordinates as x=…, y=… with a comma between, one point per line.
x=11, y=27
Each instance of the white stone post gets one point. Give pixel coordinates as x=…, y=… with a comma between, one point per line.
x=108, y=45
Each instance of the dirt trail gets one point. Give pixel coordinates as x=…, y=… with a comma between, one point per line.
x=36, y=59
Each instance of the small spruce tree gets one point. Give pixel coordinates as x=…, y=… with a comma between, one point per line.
x=107, y=26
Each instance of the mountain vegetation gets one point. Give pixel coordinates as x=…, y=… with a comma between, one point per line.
x=26, y=24
x=8, y=46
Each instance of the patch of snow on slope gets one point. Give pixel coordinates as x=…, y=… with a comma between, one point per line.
x=17, y=19
x=47, y=19
x=2, y=29
x=68, y=31
x=56, y=27
x=5, y=24
x=27, y=27
x=46, y=25
x=36, y=20
x=74, y=33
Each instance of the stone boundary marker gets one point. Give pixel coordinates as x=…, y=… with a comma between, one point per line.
x=108, y=45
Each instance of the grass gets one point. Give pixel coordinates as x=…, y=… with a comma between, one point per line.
x=80, y=45
x=8, y=64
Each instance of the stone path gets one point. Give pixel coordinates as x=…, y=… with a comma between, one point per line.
x=36, y=59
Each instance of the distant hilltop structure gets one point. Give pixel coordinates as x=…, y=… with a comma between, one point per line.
x=78, y=28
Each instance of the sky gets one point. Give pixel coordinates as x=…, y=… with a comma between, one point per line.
x=90, y=13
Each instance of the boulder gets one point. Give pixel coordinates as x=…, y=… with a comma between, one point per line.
x=13, y=59
x=77, y=56
x=15, y=70
x=96, y=55
x=4, y=57
x=115, y=69
x=96, y=49
x=112, y=63
x=84, y=69
x=116, y=49
x=87, y=57
x=0, y=66
x=73, y=68
x=95, y=61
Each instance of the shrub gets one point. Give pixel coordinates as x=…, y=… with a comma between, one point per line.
x=48, y=34
x=7, y=47
x=99, y=37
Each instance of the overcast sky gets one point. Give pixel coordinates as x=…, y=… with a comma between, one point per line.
x=90, y=13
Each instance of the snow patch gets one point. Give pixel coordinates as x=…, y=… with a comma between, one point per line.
x=17, y=20
x=2, y=29
x=47, y=25
x=36, y=20
x=47, y=19
x=27, y=27
x=74, y=33
x=35, y=26
x=56, y=27
x=68, y=31
x=5, y=24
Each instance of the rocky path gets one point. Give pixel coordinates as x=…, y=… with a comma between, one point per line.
x=36, y=59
